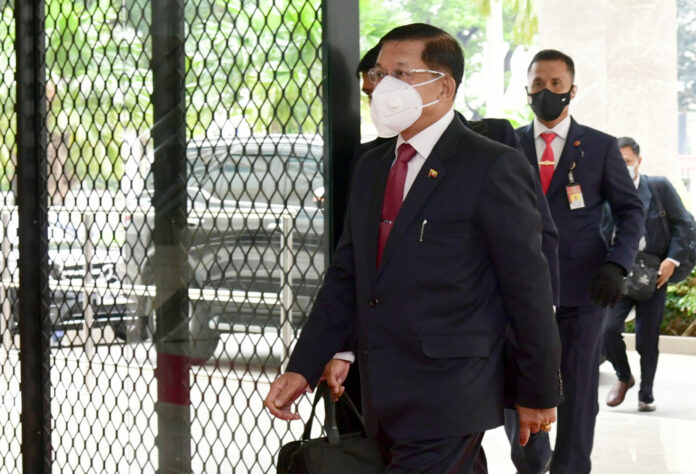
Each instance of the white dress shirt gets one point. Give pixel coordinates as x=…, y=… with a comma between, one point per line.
x=561, y=130
x=423, y=142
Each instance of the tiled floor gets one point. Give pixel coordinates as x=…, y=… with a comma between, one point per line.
x=627, y=441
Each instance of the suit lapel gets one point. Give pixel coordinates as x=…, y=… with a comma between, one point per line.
x=374, y=207
x=572, y=152
x=423, y=186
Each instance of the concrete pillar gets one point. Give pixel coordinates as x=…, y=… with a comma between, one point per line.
x=625, y=54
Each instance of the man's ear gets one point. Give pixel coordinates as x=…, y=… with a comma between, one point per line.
x=449, y=88
x=573, y=91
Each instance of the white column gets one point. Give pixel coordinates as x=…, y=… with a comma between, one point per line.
x=625, y=54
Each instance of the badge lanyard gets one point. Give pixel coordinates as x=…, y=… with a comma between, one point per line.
x=573, y=189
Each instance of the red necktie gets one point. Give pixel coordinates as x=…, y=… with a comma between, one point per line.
x=547, y=163
x=393, y=195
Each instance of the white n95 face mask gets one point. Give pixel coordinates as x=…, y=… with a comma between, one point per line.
x=396, y=105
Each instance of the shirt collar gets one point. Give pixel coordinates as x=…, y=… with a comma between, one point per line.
x=637, y=181
x=424, y=141
x=561, y=129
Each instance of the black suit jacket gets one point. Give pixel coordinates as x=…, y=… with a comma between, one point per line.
x=602, y=174
x=462, y=261
x=501, y=131
x=673, y=244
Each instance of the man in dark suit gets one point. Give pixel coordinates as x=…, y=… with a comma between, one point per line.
x=342, y=372
x=430, y=286
x=580, y=168
x=667, y=225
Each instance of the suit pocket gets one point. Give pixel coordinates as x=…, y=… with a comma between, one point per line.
x=457, y=346
x=442, y=232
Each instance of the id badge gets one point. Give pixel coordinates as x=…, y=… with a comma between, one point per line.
x=575, y=199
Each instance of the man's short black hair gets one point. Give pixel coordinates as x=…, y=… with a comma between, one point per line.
x=630, y=142
x=441, y=50
x=369, y=60
x=553, y=55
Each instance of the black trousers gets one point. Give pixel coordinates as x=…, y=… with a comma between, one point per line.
x=580, y=328
x=462, y=455
x=649, y=314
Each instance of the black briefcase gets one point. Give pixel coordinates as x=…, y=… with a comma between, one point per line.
x=642, y=280
x=333, y=454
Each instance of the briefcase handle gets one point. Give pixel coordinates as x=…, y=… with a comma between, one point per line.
x=330, y=425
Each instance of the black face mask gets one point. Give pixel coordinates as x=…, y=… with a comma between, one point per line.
x=548, y=105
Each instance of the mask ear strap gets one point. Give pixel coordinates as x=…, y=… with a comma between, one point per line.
x=430, y=103
x=428, y=81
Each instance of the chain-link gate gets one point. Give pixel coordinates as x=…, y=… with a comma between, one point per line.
x=187, y=214
x=10, y=433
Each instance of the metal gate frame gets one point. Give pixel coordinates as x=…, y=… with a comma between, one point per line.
x=341, y=133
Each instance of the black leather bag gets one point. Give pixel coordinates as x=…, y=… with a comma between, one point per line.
x=642, y=280
x=333, y=454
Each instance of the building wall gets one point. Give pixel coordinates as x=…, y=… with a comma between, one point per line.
x=625, y=54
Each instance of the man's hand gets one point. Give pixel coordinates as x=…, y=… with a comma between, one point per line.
x=665, y=272
x=607, y=285
x=532, y=420
x=335, y=374
x=284, y=391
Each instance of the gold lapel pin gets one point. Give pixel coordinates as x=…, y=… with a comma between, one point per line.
x=432, y=173
x=576, y=143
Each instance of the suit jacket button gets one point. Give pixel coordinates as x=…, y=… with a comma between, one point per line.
x=374, y=302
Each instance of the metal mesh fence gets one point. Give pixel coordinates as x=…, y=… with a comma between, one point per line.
x=10, y=432
x=151, y=370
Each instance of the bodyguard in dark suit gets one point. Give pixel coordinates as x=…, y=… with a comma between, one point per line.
x=580, y=168
x=501, y=131
x=670, y=242
x=430, y=284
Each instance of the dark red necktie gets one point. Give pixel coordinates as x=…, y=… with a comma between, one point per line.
x=393, y=195
x=548, y=162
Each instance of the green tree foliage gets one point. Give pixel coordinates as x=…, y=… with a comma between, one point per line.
x=99, y=85
x=258, y=64
x=463, y=19
x=7, y=98
x=255, y=65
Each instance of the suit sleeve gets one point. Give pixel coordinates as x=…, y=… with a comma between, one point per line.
x=627, y=208
x=330, y=324
x=549, y=239
x=678, y=218
x=507, y=212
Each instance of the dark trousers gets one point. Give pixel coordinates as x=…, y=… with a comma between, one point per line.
x=462, y=455
x=580, y=329
x=648, y=320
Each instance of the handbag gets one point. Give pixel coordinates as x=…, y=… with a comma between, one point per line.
x=642, y=279
x=335, y=453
